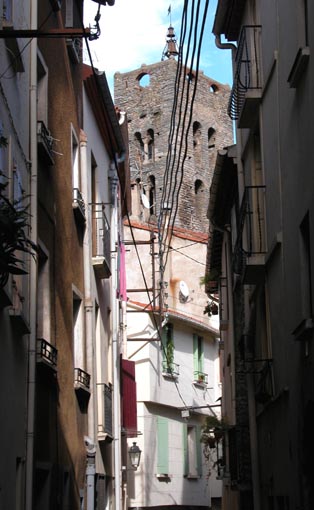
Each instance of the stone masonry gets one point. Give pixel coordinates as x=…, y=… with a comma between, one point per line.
x=147, y=96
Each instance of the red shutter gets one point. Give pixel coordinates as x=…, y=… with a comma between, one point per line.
x=129, y=417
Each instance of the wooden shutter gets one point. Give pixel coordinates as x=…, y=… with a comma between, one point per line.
x=195, y=353
x=185, y=449
x=162, y=445
x=199, y=456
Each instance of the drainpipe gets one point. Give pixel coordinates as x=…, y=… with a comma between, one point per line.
x=115, y=338
x=88, y=301
x=90, y=441
x=225, y=46
x=90, y=473
x=33, y=265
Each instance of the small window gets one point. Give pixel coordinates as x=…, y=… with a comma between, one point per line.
x=150, y=144
x=213, y=88
x=190, y=77
x=197, y=133
x=198, y=186
x=144, y=80
x=152, y=191
x=78, y=331
x=139, y=146
x=211, y=138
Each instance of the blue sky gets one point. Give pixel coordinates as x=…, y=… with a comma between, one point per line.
x=134, y=33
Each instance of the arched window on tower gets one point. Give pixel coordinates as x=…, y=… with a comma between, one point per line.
x=197, y=139
x=198, y=186
x=152, y=194
x=150, y=144
x=139, y=145
x=211, y=138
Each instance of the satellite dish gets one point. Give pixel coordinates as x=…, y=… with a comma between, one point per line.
x=184, y=289
x=145, y=201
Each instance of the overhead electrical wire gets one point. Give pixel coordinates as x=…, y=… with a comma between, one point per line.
x=174, y=133
x=174, y=172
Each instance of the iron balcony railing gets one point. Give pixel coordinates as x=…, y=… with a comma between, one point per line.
x=81, y=378
x=251, y=236
x=78, y=201
x=200, y=377
x=45, y=142
x=170, y=368
x=104, y=392
x=46, y=353
x=247, y=68
x=101, y=231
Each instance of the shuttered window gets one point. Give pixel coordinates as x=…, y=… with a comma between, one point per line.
x=192, y=450
x=198, y=353
x=162, y=446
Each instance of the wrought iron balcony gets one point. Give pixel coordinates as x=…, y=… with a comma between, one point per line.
x=247, y=86
x=78, y=205
x=101, y=240
x=44, y=143
x=250, y=247
x=105, y=410
x=170, y=369
x=200, y=377
x=46, y=353
x=81, y=379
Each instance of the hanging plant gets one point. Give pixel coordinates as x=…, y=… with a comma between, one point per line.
x=14, y=222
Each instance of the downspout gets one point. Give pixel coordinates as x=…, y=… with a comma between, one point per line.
x=90, y=349
x=33, y=265
x=225, y=46
x=115, y=338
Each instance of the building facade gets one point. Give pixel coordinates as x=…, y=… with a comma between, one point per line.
x=63, y=155
x=261, y=254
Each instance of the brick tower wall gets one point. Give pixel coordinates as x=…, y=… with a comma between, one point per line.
x=149, y=110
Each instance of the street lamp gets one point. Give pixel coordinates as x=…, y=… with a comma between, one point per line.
x=135, y=455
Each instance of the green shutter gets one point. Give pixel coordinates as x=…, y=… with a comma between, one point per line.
x=162, y=445
x=199, y=455
x=201, y=354
x=185, y=449
x=195, y=353
x=164, y=343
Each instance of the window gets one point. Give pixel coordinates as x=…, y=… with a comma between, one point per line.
x=149, y=145
x=43, y=303
x=192, y=451
x=75, y=162
x=305, y=267
x=7, y=11
x=211, y=138
x=197, y=143
x=198, y=186
x=78, y=331
x=152, y=192
x=143, y=80
x=168, y=348
x=42, y=89
x=162, y=446
x=139, y=145
x=198, y=359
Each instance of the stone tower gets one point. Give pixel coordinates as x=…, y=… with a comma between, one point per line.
x=148, y=96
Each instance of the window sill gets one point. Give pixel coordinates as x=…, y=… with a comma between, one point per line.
x=192, y=477
x=169, y=375
x=163, y=477
x=200, y=384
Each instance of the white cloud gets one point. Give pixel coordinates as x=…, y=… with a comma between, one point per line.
x=133, y=32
